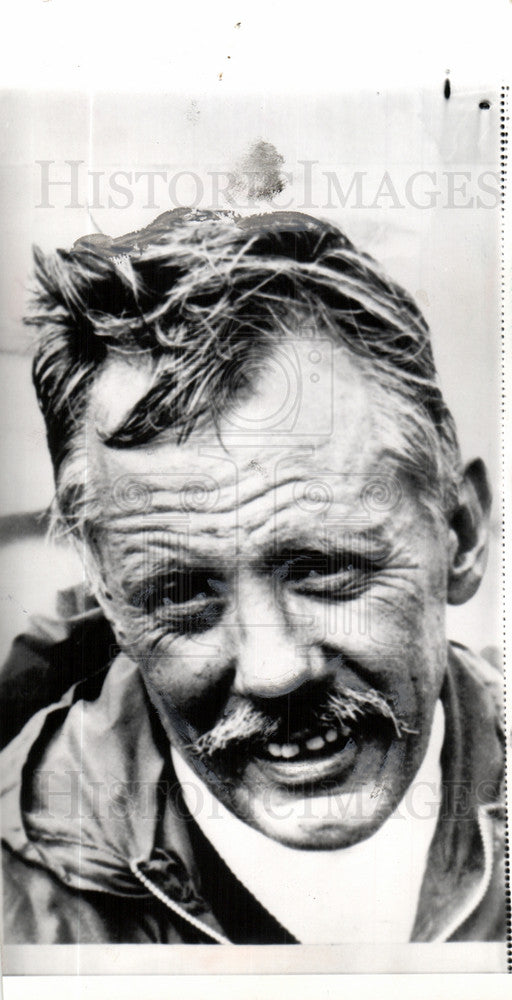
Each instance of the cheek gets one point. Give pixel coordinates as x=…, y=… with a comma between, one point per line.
x=187, y=675
x=389, y=617
x=409, y=631
x=394, y=637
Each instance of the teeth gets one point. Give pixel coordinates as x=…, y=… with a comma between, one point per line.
x=315, y=743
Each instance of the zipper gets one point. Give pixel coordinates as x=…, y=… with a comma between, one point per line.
x=172, y=905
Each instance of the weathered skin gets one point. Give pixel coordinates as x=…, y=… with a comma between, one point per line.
x=381, y=626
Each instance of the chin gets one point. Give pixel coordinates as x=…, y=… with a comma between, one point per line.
x=333, y=803
x=324, y=822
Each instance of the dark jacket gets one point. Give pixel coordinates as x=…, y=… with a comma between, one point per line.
x=98, y=845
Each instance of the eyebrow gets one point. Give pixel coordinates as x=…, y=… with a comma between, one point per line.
x=140, y=568
x=335, y=539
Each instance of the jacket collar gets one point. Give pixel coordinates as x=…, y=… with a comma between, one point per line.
x=460, y=861
x=124, y=803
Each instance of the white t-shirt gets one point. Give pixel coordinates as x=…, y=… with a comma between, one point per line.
x=365, y=893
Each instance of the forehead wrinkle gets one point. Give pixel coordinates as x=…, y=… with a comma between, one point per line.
x=237, y=500
x=161, y=499
x=228, y=484
x=152, y=518
x=339, y=518
x=281, y=514
x=127, y=543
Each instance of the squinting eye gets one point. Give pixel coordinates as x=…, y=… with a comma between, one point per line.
x=315, y=565
x=177, y=590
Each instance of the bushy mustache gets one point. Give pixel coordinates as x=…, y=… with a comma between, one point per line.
x=344, y=707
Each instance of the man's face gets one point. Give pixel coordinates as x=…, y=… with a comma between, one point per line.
x=284, y=595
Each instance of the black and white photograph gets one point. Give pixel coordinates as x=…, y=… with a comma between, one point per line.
x=251, y=529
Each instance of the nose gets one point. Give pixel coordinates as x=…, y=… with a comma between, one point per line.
x=272, y=654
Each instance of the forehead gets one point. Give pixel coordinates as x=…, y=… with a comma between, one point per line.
x=308, y=428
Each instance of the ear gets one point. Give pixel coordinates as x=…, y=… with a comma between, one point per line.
x=469, y=531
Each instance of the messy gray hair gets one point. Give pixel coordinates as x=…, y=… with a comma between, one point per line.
x=203, y=297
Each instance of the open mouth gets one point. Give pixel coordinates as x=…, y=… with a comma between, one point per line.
x=326, y=757
x=324, y=742
x=345, y=736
